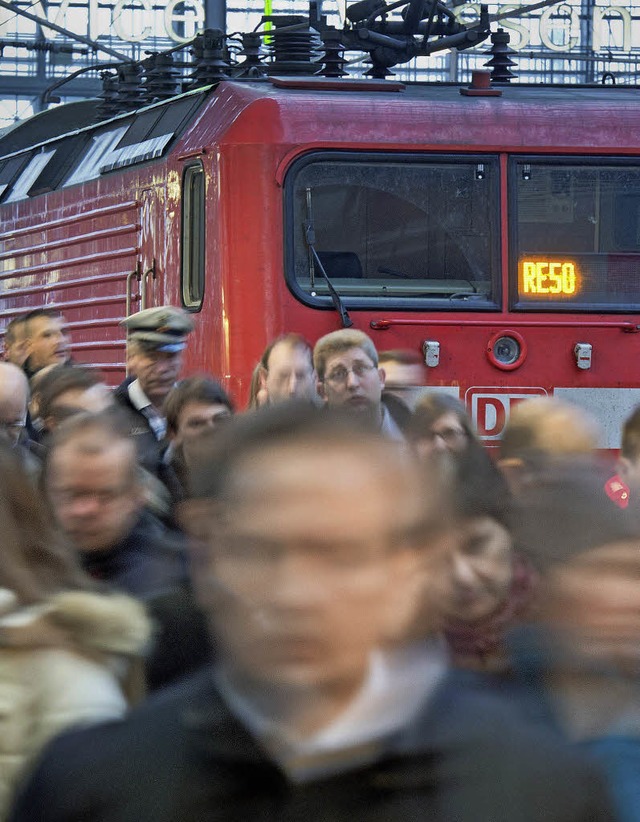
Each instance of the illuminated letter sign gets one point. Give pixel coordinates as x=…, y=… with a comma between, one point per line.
x=548, y=277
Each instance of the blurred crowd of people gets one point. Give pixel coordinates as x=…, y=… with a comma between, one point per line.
x=336, y=604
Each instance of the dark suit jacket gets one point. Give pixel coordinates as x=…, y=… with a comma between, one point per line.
x=148, y=448
x=183, y=757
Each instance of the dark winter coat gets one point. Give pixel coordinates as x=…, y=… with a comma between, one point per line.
x=148, y=561
x=183, y=757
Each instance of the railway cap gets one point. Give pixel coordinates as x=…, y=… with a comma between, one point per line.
x=164, y=328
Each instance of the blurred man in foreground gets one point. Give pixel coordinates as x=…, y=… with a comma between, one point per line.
x=582, y=658
x=318, y=533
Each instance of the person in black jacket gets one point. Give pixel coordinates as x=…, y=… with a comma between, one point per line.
x=97, y=497
x=97, y=494
x=156, y=339
x=317, y=708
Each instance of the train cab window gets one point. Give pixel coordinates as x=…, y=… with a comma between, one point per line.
x=192, y=237
x=393, y=229
x=575, y=236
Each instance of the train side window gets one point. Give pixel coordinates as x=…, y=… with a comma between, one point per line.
x=29, y=175
x=409, y=230
x=193, y=237
x=95, y=155
x=575, y=235
x=10, y=169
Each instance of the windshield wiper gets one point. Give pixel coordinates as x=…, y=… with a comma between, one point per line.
x=310, y=239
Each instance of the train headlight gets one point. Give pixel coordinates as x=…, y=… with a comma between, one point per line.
x=507, y=350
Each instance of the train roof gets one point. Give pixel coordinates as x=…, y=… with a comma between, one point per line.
x=313, y=111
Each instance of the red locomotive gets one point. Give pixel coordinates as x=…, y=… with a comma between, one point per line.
x=497, y=231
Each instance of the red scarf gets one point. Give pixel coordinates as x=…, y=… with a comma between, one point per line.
x=484, y=637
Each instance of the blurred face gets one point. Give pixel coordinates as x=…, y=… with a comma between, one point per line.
x=405, y=380
x=308, y=567
x=13, y=417
x=290, y=374
x=447, y=434
x=352, y=380
x=48, y=343
x=477, y=572
x=594, y=605
x=197, y=417
x=77, y=401
x=94, y=496
x=16, y=351
x=157, y=372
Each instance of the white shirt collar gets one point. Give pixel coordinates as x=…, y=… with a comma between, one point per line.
x=137, y=396
x=398, y=684
x=390, y=427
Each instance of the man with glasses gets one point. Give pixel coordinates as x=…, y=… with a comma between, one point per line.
x=346, y=363
x=97, y=496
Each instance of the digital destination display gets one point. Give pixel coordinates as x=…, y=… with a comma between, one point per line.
x=542, y=278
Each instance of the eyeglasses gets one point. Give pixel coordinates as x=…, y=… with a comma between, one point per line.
x=340, y=374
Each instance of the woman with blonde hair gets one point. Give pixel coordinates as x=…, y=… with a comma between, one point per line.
x=68, y=653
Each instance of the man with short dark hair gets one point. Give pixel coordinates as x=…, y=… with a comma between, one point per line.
x=317, y=532
x=46, y=340
x=64, y=392
x=195, y=406
x=15, y=342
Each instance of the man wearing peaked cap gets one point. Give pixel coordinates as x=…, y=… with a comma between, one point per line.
x=163, y=329
x=156, y=338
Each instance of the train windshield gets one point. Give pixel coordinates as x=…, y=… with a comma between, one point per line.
x=576, y=236
x=403, y=229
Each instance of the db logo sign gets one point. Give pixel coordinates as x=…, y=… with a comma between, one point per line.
x=490, y=407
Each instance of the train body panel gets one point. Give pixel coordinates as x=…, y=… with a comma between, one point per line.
x=503, y=231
